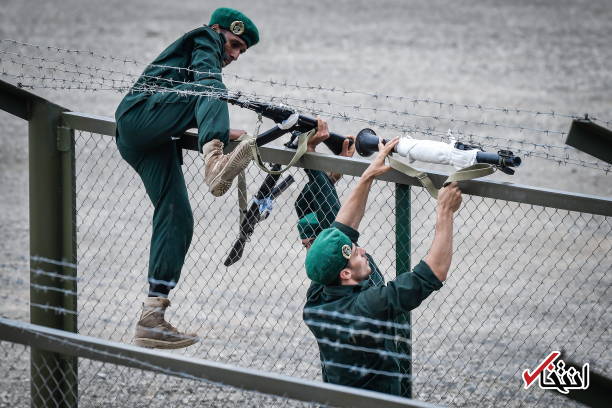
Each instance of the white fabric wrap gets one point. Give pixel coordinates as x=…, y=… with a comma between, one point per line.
x=431, y=151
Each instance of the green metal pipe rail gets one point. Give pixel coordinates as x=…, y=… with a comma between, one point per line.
x=52, y=236
x=53, y=228
x=197, y=369
x=500, y=190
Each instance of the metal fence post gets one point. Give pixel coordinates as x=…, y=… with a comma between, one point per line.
x=52, y=249
x=402, y=265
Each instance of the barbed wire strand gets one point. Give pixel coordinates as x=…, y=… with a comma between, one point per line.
x=138, y=362
x=403, y=128
x=395, y=112
x=338, y=90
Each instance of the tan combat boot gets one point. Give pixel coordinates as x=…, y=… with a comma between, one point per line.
x=153, y=331
x=221, y=169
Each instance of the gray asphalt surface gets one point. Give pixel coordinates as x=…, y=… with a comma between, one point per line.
x=524, y=281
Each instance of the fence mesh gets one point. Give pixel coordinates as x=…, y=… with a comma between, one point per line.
x=108, y=385
x=525, y=280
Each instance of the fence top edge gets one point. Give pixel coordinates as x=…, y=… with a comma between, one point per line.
x=21, y=99
x=584, y=203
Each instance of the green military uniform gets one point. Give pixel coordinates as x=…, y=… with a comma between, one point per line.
x=161, y=105
x=317, y=204
x=344, y=314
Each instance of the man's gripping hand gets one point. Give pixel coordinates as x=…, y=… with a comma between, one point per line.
x=234, y=134
x=348, y=148
x=378, y=166
x=321, y=135
x=449, y=198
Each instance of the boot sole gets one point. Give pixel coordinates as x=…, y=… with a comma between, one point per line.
x=160, y=344
x=218, y=186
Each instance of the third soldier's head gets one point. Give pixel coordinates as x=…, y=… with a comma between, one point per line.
x=334, y=260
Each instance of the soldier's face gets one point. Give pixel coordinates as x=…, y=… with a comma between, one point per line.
x=358, y=264
x=234, y=47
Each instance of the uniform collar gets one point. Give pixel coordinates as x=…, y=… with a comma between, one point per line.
x=338, y=291
x=223, y=41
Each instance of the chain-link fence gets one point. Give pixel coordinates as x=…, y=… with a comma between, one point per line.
x=525, y=280
x=108, y=385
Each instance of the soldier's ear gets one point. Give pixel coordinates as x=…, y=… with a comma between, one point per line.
x=345, y=274
x=216, y=27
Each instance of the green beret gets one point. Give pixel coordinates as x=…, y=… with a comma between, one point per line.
x=237, y=23
x=328, y=255
x=308, y=226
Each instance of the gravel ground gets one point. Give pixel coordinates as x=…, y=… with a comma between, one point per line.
x=525, y=280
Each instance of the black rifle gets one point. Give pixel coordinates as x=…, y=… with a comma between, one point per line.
x=279, y=114
x=268, y=190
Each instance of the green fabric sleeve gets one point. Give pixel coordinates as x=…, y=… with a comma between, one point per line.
x=326, y=203
x=207, y=56
x=401, y=295
x=212, y=114
x=350, y=232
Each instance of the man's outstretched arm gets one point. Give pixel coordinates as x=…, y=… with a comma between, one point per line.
x=441, y=252
x=353, y=209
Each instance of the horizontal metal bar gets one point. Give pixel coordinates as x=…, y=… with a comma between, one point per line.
x=355, y=166
x=18, y=101
x=591, y=138
x=89, y=123
x=163, y=362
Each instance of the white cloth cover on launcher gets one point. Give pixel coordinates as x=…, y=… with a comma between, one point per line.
x=431, y=151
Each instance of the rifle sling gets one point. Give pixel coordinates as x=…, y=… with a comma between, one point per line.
x=299, y=152
x=467, y=173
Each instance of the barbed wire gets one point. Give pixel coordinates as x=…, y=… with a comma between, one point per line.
x=333, y=315
x=395, y=112
x=37, y=258
x=135, y=361
x=322, y=340
x=307, y=311
x=318, y=87
x=123, y=85
x=351, y=331
x=54, y=275
x=338, y=345
x=111, y=84
x=212, y=73
x=363, y=371
x=431, y=132
x=339, y=315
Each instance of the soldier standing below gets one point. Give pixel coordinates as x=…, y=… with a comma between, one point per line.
x=348, y=303
x=176, y=92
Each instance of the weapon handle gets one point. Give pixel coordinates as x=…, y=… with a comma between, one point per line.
x=270, y=135
x=282, y=186
x=236, y=252
x=279, y=114
x=335, y=140
x=268, y=183
x=498, y=160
